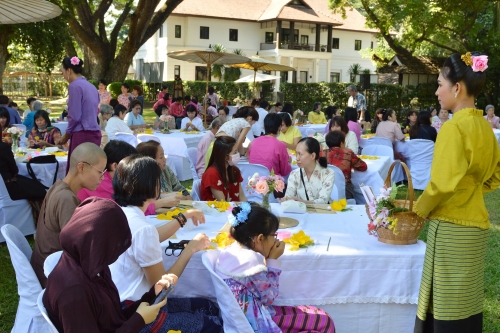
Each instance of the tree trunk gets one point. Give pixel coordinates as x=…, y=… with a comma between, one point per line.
x=5, y=37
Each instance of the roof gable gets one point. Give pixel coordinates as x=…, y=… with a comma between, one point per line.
x=418, y=65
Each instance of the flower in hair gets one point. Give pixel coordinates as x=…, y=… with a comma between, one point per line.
x=242, y=216
x=479, y=63
x=75, y=61
x=467, y=58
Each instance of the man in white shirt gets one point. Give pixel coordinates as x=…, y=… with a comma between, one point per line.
x=258, y=127
x=356, y=100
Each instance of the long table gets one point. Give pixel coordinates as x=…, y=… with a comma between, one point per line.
x=45, y=172
x=366, y=286
x=175, y=145
x=320, y=128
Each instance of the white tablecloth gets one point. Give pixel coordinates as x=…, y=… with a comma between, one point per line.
x=374, y=176
x=45, y=172
x=356, y=269
x=320, y=128
x=175, y=145
x=62, y=125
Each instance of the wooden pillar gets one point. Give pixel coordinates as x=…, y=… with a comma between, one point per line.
x=291, y=36
x=329, y=40
x=318, y=32
x=278, y=35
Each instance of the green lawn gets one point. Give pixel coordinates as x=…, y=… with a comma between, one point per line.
x=9, y=298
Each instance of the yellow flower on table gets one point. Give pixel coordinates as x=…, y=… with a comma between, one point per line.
x=221, y=206
x=298, y=240
x=222, y=240
x=170, y=214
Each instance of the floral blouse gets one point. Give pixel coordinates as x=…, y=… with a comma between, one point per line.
x=437, y=123
x=125, y=100
x=50, y=135
x=104, y=97
x=319, y=187
x=170, y=183
x=234, y=127
x=254, y=285
x=212, y=178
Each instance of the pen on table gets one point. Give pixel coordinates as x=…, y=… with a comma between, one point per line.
x=328, y=244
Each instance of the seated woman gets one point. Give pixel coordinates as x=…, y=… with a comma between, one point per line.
x=117, y=150
x=116, y=124
x=239, y=126
x=440, y=119
x=251, y=269
x=168, y=181
x=268, y=151
x=43, y=134
x=389, y=128
x=493, y=120
x=312, y=182
x=376, y=120
x=344, y=159
x=351, y=118
x=133, y=119
x=192, y=122
x=331, y=111
x=5, y=125
x=162, y=110
x=136, y=185
x=222, y=178
x=223, y=112
x=290, y=134
x=316, y=116
x=351, y=142
x=80, y=294
x=105, y=112
x=411, y=119
x=423, y=129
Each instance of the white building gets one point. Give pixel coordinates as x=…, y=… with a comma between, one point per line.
x=323, y=48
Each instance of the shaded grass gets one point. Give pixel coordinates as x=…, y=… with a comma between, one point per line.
x=491, y=324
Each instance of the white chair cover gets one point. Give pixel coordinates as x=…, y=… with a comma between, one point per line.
x=43, y=311
x=51, y=262
x=192, y=156
x=379, y=150
x=382, y=150
x=28, y=316
x=233, y=317
x=247, y=171
x=17, y=212
x=376, y=140
x=338, y=191
x=196, y=190
x=419, y=161
x=128, y=138
x=147, y=137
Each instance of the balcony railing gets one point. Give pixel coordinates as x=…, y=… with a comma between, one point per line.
x=296, y=46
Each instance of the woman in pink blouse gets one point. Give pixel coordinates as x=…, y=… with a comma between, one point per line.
x=268, y=150
x=104, y=95
x=491, y=118
x=351, y=118
x=390, y=129
x=442, y=117
x=125, y=97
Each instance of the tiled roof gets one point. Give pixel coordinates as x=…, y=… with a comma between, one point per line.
x=314, y=11
x=418, y=65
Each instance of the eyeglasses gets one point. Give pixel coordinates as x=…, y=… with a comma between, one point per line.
x=101, y=172
x=274, y=235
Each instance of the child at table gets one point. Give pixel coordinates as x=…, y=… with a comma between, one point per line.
x=250, y=267
x=344, y=159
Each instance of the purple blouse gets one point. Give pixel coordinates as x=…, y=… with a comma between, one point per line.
x=83, y=106
x=353, y=126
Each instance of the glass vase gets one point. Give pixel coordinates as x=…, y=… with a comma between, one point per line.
x=15, y=144
x=165, y=126
x=265, y=202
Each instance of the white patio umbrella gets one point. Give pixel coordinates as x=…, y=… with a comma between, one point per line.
x=258, y=77
x=208, y=57
x=26, y=11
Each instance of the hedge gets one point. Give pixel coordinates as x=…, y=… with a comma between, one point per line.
x=304, y=95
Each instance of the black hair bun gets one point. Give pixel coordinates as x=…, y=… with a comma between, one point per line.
x=236, y=210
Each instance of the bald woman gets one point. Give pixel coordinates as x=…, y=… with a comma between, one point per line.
x=88, y=164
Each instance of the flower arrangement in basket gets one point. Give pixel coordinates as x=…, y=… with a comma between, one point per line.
x=265, y=185
x=393, y=221
x=15, y=134
x=321, y=139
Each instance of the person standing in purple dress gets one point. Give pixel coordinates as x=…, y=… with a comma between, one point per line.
x=83, y=101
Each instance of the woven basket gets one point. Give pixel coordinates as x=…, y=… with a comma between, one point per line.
x=409, y=223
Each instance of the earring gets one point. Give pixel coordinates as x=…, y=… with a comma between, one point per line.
x=456, y=93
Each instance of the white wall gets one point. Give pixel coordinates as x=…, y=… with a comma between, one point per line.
x=250, y=36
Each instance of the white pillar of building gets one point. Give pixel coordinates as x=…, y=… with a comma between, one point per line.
x=316, y=70
x=328, y=69
x=277, y=82
x=290, y=73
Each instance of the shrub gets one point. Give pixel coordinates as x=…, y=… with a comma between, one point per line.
x=95, y=83
x=115, y=88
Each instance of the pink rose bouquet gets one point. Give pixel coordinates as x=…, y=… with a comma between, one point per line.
x=265, y=185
